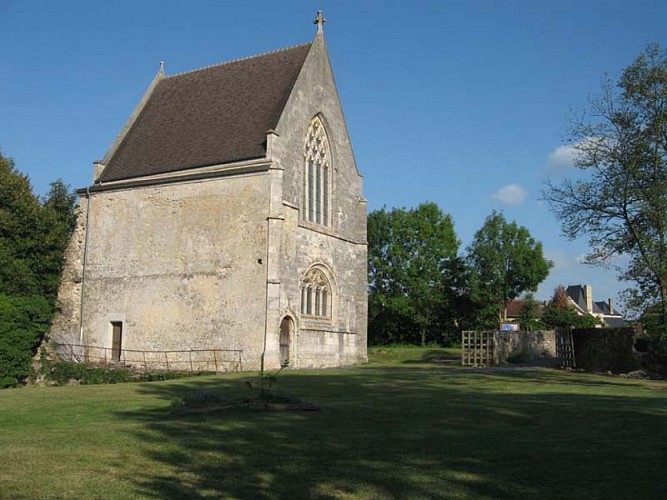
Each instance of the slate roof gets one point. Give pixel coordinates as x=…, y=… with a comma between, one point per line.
x=578, y=294
x=215, y=115
x=613, y=320
x=603, y=307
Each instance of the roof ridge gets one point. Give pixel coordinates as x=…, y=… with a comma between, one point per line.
x=237, y=60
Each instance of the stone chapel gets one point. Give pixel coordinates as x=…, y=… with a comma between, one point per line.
x=228, y=216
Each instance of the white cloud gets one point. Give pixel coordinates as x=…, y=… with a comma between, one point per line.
x=561, y=260
x=512, y=194
x=561, y=159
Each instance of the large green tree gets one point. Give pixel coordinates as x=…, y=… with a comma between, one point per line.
x=20, y=221
x=410, y=256
x=33, y=236
x=620, y=199
x=33, y=233
x=506, y=261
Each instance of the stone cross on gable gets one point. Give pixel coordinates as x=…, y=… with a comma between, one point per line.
x=319, y=20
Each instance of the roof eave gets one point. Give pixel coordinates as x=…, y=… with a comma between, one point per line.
x=249, y=166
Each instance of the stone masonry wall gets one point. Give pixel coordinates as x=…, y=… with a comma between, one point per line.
x=341, y=248
x=181, y=265
x=530, y=346
x=65, y=327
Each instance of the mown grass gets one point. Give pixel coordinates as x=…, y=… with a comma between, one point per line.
x=410, y=424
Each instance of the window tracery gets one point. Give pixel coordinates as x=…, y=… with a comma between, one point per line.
x=317, y=196
x=316, y=295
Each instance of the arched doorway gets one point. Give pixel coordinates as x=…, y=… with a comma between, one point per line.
x=286, y=329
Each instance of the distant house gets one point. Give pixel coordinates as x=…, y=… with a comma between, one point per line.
x=515, y=308
x=581, y=297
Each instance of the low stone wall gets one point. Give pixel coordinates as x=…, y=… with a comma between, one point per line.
x=528, y=347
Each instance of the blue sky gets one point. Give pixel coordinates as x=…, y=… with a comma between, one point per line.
x=464, y=103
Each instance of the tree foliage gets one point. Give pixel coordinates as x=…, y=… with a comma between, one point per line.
x=506, y=261
x=33, y=236
x=651, y=320
x=529, y=314
x=412, y=273
x=19, y=221
x=23, y=322
x=621, y=201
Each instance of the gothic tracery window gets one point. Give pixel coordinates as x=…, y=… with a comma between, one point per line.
x=317, y=196
x=316, y=295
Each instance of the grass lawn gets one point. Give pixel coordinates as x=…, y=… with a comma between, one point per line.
x=410, y=424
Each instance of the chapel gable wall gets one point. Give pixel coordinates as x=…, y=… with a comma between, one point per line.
x=339, y=247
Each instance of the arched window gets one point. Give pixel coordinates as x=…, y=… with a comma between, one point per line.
x=316, y=295
x=317, y=196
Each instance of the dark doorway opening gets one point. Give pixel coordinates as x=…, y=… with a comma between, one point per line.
x=116, y=340
x=286, y=330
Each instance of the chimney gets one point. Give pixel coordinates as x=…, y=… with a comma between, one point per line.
x=588, y=294
x=98, y=167
x=611, y=307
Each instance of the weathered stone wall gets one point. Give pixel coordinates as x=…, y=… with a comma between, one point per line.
x=315, y=93
x=341, y=248
x=324, y=342
x=531, y=347
x=181, y=265
x=65, y=327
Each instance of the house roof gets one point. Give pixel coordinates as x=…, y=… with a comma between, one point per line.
x=515, y=306
x=613, y=319
x=578, y=294
x=615, y=322
x=211, y=116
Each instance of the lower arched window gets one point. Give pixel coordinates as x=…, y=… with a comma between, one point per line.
x=316, y=295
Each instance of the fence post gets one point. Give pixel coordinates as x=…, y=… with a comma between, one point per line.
x=166, y=359
x=475, y=344
x=489, y=348
x=190, y=355
x=215, y=360
x=465, y=350
x=145, y=365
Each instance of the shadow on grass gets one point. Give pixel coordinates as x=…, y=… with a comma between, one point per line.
x=437, y=357
x=416, y=434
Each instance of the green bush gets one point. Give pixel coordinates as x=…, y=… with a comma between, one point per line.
x=63, y=372
x=23, y=323
x=518, y=357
